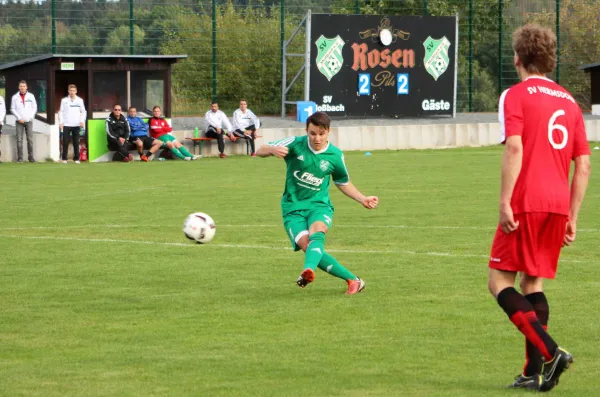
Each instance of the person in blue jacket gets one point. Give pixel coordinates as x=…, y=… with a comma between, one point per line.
x=139, y=136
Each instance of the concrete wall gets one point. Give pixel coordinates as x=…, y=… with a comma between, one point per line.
x=593, y=130
x=41, y=147
x=413, y=136
x=45, y=142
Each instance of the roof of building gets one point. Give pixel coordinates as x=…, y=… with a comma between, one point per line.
x=589, y=66
x=43, y=57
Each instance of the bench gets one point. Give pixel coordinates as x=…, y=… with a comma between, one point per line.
x=200, y=141
x=163, y=152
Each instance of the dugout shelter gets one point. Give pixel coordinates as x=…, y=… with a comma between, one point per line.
x=594, y=70
x=142, y=81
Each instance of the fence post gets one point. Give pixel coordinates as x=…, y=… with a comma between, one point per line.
x=425, y=12
x=282, y=28
x=558, y=41
x=130, y=27
x=500, y=25
x=470, y=55
x=214, y=49
x=54, y=26
x=357, y=7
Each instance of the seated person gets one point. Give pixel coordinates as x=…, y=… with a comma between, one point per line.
x=117, y=131
x=217, y=124
x=245, y=124
x=159, y=129
x=139, y=136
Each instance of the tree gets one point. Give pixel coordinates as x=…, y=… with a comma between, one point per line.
x=76, y=40
x=485, y=62
x=580, y=43
x=118, y=40
x=9, y=37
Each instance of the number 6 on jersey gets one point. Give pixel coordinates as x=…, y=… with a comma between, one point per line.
x=554, y=126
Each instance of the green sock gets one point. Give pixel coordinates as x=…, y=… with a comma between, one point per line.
x=314, y=250
x=330, y=265
x=185, y=152
x=177, y=153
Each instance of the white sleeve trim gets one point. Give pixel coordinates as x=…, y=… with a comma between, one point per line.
x=256, y=119
x=35, y=106
x=83, y=112
x=14, y=107
x=236, y=122
x=501, y=115
x=283, y=142
x=61, y=117
x=226, y=123
x=347, y=173
x=2, y=110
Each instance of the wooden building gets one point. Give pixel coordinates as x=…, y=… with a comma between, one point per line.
x=102, y=81
x=594, y=70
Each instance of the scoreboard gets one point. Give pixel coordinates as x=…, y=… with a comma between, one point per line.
x=373, y=66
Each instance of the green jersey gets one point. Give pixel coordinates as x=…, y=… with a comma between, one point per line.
x=308, y=171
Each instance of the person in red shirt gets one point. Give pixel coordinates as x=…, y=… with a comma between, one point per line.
x=160, y=128
x=543, y=131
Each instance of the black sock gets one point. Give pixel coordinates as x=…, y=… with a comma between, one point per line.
x=521, y=314
x=534, y=360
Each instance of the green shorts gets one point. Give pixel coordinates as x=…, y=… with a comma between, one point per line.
x=166, y=138
x=297, y=223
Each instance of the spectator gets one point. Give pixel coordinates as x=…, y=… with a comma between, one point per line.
x=245, y=124
x=139, y=136
x=117, y=131
x=71, y=119
x=160, y=128
x=2, y=115
x=216, y=123
x=24, y=107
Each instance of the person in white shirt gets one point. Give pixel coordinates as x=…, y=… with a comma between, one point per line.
x=217, y=125
x=71, y=119
x=2, y=115
x=245, y=124
x=24, y=107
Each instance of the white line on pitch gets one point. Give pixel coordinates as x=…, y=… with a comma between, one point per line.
x=58, y=227
x=343, y=226
x=250, y=246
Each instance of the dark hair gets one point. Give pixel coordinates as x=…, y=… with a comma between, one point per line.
x=319, y=119
x=156, y=107
x=71, y=86
x=243, y=100
x=132, y=107
x=22, y=82
x=118, y=104
x=214, y=103
x=535, y=47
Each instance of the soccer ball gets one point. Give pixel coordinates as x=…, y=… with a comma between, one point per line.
x=199, y=227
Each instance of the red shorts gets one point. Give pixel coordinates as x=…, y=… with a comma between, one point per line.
x=533, y=248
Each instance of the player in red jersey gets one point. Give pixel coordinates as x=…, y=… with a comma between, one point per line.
x=160, y=128
x=543, y=131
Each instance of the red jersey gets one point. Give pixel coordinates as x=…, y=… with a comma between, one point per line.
x=158, y=127
x=551, y=127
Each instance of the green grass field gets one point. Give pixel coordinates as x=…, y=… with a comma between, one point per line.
x=102, y=295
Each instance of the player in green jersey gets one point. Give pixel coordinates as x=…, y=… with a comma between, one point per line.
x=306, y=208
